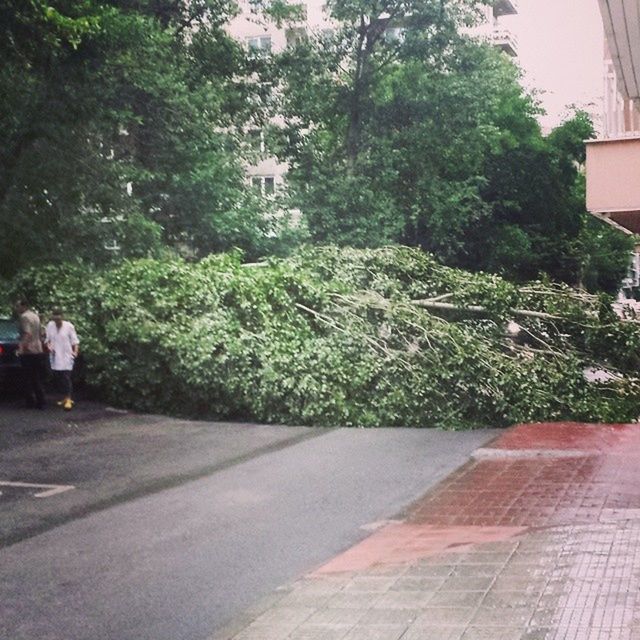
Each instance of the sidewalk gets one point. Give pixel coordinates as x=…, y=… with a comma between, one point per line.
x=536, y=538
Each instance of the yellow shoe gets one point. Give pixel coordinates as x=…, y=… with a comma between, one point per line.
x=68, y=404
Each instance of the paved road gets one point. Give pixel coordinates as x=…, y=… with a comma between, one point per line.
x=111, y=457
x=184, y=525
x=537, y=538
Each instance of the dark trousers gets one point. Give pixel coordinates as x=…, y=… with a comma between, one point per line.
x=33, y=370
x=63, y=380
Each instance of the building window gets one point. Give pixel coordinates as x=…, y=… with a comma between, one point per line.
x=394, y=34
x=295, y=35
x=260, y=44
x=256, y=141
x=265, y=184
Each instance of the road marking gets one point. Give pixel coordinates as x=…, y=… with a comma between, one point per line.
x=50, y=489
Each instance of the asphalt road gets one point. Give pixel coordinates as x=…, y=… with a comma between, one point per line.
x=111, y=457
x=175, y=527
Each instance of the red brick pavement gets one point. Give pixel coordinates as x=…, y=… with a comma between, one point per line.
x=536, y=538
x=534, y=475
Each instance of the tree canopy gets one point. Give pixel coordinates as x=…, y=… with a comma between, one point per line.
x=119, y=120
x=401, y=129
x=125, y=126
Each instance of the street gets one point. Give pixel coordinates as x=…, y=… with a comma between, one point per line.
x=166, y=529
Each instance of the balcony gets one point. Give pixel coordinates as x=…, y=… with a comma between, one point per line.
x=505, y=7
x=613, y=188
x=505, y=40
x=621, y=20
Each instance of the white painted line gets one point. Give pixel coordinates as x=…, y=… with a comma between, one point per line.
x=50, y=489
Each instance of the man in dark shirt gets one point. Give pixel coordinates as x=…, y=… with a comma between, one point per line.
x=31, y=355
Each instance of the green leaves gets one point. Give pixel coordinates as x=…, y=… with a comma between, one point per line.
x=118, y=132
x=331, y=336
x=413, y=134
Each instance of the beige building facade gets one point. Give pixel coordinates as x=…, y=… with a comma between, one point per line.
x=613, y=161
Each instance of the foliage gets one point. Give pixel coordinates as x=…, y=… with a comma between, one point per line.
x=124, y=123
x=365, y=116
x=332, y=336
x=422, y=137
x=118, y=122
x=603, y=253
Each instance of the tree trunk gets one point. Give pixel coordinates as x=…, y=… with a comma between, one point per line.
x=11, y=161
x=355, y=112
x=471, y=309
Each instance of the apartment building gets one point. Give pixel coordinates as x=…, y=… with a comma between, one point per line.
x=496, y=28
x=613, y=160
x=259, y=34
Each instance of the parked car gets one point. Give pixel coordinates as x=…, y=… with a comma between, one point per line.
x=9, y=364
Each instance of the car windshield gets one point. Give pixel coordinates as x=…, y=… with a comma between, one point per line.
x=8, y=329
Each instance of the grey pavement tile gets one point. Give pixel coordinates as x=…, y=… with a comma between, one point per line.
x=297, y=599
x=576, y=616
x=403, y=600
x=476, y=570
x=387, y=569
x=377, y=632
x=390, y=617
x=319, y=586
x=319, y=632
x=501, y=546
x=520, y=583
x=336, y=616
x=416, y=583
x=478, y=633
x=534, y=558
x=537, y=633
x=543, y=618
x=433, y=633
x=502, y=617
x=456, y=599
x=485, y=557
x=512, y=599
x=584, y=633
x=424, y=570
x=283, y=616
x=265, y=632
x=445, y=617
x=541, y=543
x=448, y=558
x=527, y=570
x=372, y=584
x=459, y=583
x=353, y=600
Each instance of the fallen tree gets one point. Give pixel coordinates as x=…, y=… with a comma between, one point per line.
x=338, y=336
x=473, y=309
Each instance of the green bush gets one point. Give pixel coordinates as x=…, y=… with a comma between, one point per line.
x=332, y=336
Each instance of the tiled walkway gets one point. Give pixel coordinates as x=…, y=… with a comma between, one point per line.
x=536, y=538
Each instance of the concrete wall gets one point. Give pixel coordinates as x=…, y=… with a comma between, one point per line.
x=613, y=175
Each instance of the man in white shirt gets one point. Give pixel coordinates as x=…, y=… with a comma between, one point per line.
x=30, y=355
x=62, y=342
